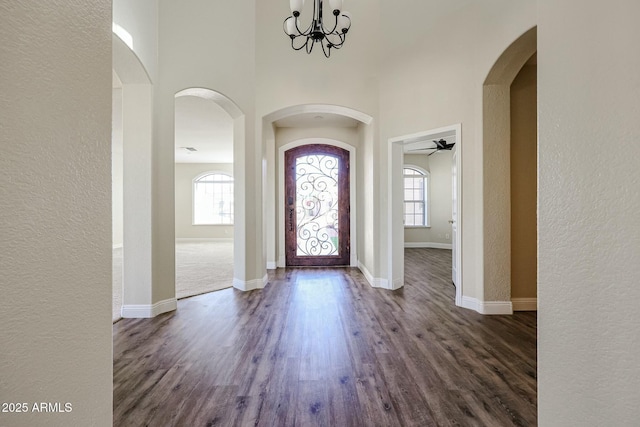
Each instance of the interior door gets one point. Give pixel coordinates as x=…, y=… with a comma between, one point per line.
x=317, y=229
x=454, y=215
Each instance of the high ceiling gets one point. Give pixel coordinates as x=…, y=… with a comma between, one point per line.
x=203, y=125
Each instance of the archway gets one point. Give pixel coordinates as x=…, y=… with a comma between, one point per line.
x=136, y=134
x=239, y=187
x=333, y=125
x=497, y=174
x=204, y=191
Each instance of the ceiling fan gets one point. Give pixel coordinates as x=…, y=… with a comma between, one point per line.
x=441, y=144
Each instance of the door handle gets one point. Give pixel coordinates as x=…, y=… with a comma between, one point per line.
x=290, y=219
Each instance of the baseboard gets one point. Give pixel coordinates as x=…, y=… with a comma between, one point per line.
x=137, y=311
x=525, y=304
x=427, y=245
x=271, y=265
x=250, y=285
x=487, y=307
x=374, y=282
x=203, y=239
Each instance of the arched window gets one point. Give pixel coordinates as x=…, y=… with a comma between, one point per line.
x=213, y=199
x=416, y=197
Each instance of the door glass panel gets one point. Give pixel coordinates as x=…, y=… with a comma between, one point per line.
x=317, y=205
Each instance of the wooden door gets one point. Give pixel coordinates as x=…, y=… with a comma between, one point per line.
x=317, y=229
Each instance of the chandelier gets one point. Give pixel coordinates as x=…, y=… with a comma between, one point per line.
x=331, y=37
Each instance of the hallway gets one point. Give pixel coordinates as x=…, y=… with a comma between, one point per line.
x=321, y=347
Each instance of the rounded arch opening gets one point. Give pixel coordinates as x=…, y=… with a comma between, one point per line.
x=496, y=149
x=305, y=115
x=131, y=183
x=208, y=138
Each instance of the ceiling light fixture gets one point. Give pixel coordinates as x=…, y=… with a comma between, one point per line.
x=329, y=38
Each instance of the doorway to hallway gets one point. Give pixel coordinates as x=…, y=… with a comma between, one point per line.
x=317, y=206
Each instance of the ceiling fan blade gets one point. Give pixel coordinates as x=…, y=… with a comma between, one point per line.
x=422, y=149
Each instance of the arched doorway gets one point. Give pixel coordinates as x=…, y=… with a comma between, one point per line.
x=497, y=171
x=204, y=199
x=322, y=124
x=215, y=163
x=131, y=175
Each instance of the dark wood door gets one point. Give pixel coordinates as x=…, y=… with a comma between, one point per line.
x=317, y=229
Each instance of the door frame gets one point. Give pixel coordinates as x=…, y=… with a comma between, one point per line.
x=353, y=261
x=343, y=207
x=395, y=227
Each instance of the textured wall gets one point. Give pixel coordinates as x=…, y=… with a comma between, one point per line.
x=55, y=225
x=524, y=184
x=589, y=232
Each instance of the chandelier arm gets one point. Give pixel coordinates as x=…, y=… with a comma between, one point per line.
x=327, y=51
x=310, y=46
x=338, y=45
x=326, y=33
x=301, y=46
x=305, y=32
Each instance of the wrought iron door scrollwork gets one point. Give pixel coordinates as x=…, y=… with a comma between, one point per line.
x=317, y=205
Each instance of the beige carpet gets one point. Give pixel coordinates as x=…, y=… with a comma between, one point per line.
x=200, y=267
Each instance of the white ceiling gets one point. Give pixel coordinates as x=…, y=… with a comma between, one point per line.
x=202, y=124
x=311, y=120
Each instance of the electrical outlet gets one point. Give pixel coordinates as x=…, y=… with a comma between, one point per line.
x=446, y=236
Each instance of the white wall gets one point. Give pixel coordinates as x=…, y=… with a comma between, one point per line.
x=140, y=19
x=194, y=51
x=55, y=210
x=185, y=174
x=439, y=167
x=117, y=191
x=589, y=233
x=431, y=81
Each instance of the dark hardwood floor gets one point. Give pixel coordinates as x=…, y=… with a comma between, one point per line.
x=320, y=347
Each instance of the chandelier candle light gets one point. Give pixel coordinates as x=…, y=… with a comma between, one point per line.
x=329, y=38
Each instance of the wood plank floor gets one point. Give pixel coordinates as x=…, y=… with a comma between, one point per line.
x=320, y=347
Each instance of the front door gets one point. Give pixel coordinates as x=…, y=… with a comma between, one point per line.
x=317, y=206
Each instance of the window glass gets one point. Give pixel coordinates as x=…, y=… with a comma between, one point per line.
x=415, y=198
x=213, y=199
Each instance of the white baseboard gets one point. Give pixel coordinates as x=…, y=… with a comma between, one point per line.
x=524, y=304
x=137, y=311
x=271, y=265
x=203, y=239
x=375, y=282
x=427, y=245
x=250, y=285
x=397, y=284
x=487, y=307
